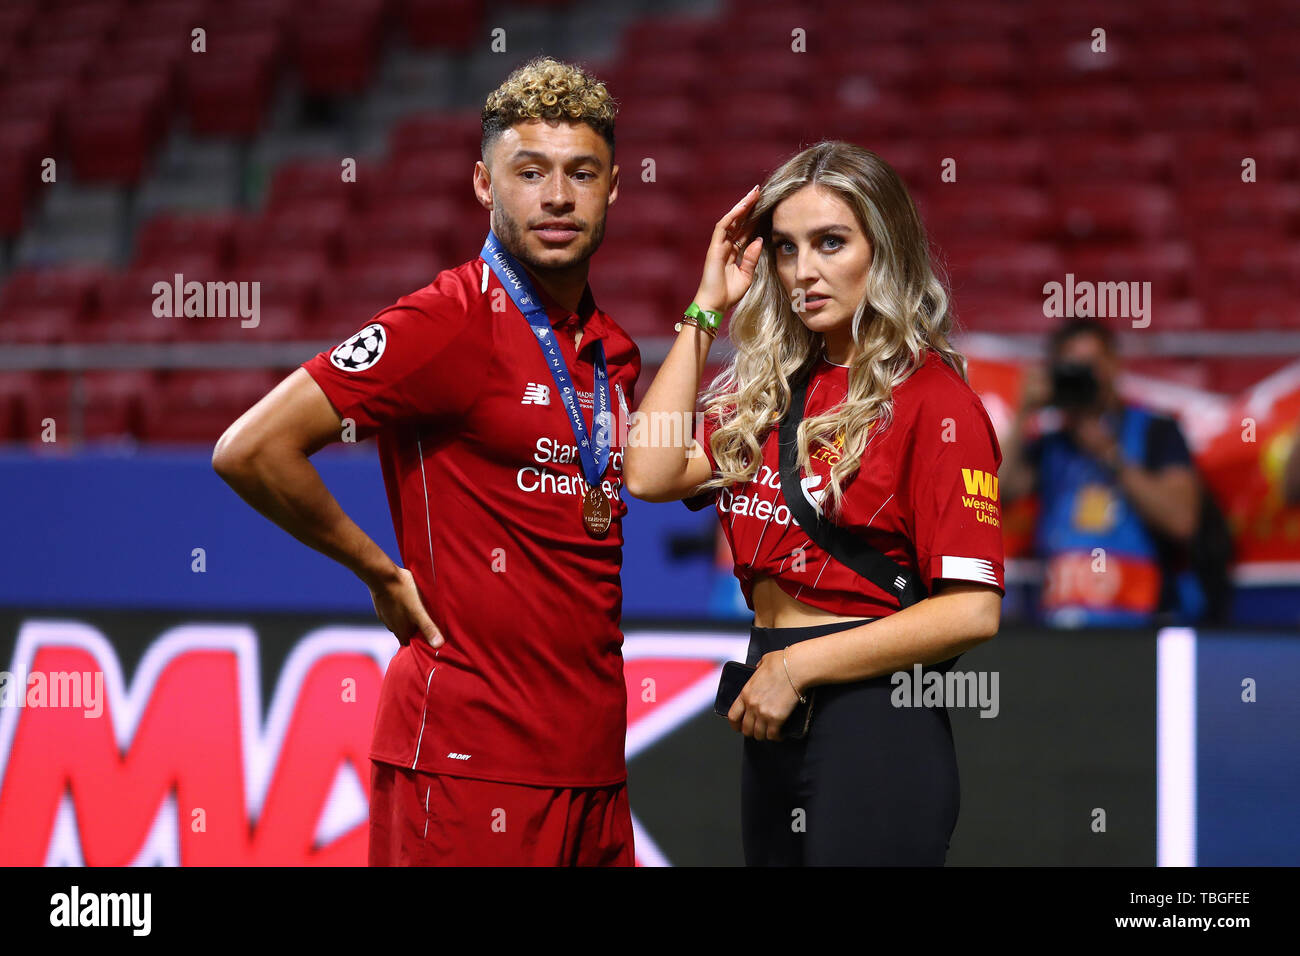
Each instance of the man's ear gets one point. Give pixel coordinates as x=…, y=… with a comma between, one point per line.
x=483, y=185
x=613, y=185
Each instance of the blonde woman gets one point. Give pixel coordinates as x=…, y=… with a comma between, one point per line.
x=828, y=270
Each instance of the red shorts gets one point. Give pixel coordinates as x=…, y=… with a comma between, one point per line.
x=426, y=819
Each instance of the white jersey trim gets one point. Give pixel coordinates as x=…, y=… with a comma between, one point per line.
x=968, y=569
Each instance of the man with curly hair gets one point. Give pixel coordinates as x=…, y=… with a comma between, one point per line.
x=500, y=729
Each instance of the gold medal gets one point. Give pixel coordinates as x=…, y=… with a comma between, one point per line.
x=595, y=512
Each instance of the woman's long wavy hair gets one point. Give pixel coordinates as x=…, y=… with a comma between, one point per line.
x=904, y=311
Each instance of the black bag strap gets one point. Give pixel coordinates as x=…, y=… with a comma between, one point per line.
x=842, y=545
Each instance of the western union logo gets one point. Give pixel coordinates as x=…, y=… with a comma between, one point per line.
x=980, y=483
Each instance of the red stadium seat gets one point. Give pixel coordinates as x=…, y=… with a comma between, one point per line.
x=991, y=61
x=1209, y=105
x=1093, y=158
x=435, y=131
x=446, y=24
x=1180, y=17
x=1001, y=313
x=196, y=407
x=46, y=305
x=172, y=19
x=1277, y=103
x=15, y=187
x=36, y=325
x=779, y=117
x=1238, y=259
x=1252, y=307
x=312, y=179
x=48, y=396
x=972, y=20
x=651, y=213
x=288, y=282
x=1249, y=208
x=63, y=59
x=13, y=386
x=228, y=89
x=1062, y=55
x=960, y=111
x=1002, y=266
x=1012, y=161
x=678, y=171
x=1168, y=266
x=80, y=21
x=1111, y=212
x=857, y=69
x=112, y=402
x=1230, y=376
x=166, y=235
x=411, y=226
x=336, y=44
x=1277, y=51
x=656, y=279
x=42, y=98
x=955, y=211
x=1207, y=159
x=126, y=311
x=1177, y=315
x=115, y=127
x=1110, y=108
x=722, y=176
x=16, y=21
x=423, y=175
x=1194, y=57
x=242, y=15
x=656, y=122
x=666, y=35
x=349, y=298
x=642, y=319
x=309, y=226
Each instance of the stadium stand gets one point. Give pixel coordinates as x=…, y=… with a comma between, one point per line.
x=225, y=165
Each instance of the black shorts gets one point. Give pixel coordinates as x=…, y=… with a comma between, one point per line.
x=870, y=785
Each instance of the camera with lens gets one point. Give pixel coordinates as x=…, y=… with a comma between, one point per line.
x=1074, y=386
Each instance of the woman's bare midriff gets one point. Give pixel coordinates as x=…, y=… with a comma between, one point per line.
x=774, y=608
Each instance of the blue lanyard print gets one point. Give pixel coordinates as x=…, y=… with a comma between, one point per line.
x=516, y=283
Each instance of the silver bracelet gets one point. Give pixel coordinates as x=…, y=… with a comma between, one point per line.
x=802, y=698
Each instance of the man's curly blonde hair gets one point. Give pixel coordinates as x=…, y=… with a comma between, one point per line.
x=546, y=89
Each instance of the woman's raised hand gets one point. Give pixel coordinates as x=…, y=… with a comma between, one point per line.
x=729, y=263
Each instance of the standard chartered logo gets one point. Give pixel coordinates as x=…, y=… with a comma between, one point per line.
x=569, y=481
x=753, y=504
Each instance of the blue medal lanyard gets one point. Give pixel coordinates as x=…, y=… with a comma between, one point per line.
x=594, y=450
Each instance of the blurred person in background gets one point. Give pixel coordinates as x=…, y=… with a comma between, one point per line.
x=841, y=322
x=1291, y=474
x=1120, y=502
x=500, y=732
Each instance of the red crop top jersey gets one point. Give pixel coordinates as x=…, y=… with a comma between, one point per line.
x=925, y=494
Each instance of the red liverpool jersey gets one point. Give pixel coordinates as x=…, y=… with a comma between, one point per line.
x=485, y=488
x=925, y=495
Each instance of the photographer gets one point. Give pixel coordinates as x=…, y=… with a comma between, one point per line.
x=1119, y=498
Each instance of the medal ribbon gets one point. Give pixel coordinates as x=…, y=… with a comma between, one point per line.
x=594, y=450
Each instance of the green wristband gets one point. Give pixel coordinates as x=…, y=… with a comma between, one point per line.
x=707, y=318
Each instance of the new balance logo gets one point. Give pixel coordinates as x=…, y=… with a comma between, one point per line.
x=535, y=394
